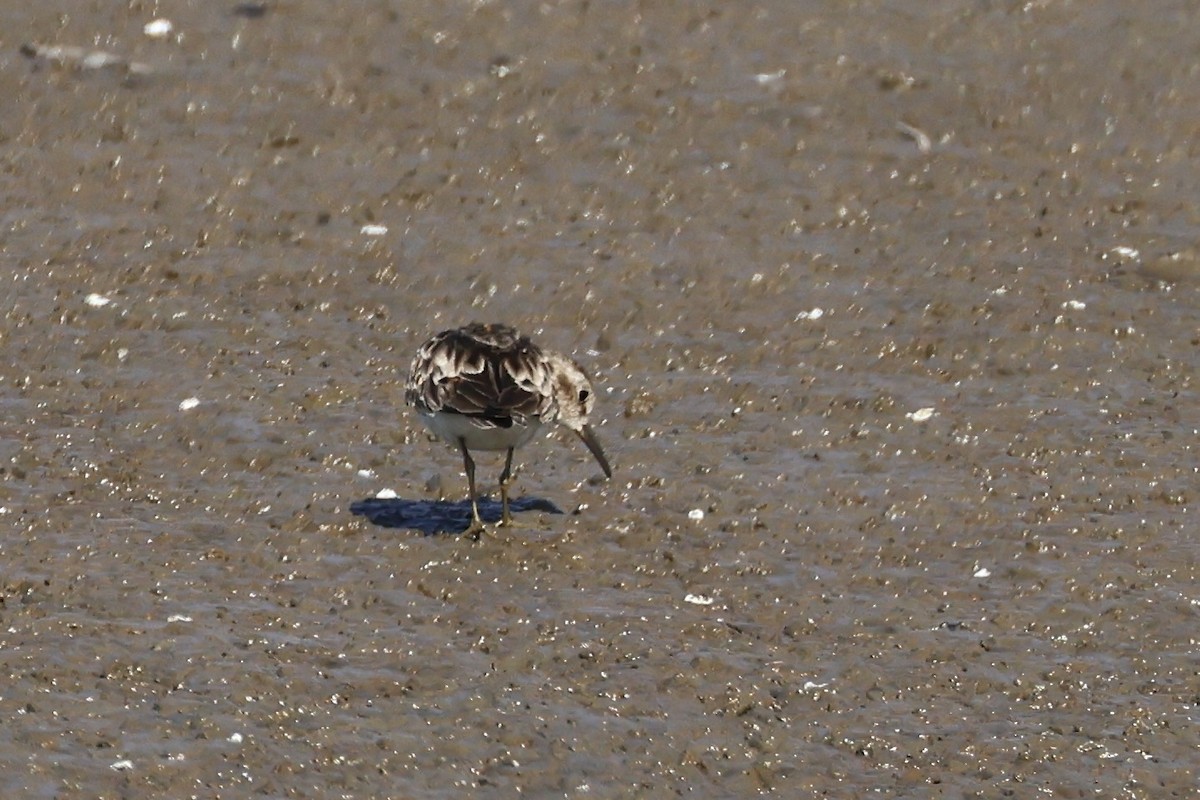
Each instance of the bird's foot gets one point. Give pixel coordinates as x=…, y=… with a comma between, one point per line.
x=507, y=520
x=476, y=528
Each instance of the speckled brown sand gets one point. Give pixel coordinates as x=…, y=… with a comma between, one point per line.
x=893, y=307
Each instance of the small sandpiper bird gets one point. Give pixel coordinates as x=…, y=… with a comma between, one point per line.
x=487, y=387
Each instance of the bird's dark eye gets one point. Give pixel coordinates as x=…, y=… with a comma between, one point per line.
x=583, y=395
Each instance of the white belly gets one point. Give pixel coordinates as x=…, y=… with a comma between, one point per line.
x=453, y=427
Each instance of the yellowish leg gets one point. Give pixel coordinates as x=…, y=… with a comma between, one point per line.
x=476, y=527
x=505, y=514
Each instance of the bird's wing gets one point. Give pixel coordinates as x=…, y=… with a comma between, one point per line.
x=495, y=386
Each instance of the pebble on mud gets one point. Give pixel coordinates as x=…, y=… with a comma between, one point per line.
x=158, y=28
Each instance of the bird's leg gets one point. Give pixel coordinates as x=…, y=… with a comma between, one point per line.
x=506, y=515
x=476, y=526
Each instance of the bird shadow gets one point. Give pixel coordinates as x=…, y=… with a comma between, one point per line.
x=432, y=517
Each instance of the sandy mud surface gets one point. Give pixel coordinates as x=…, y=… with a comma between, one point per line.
x=891, y=307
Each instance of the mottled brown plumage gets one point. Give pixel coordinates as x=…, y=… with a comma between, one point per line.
x=488, y=373
x=487, y=387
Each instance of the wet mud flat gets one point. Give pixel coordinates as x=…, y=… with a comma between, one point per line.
x=891, y=312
